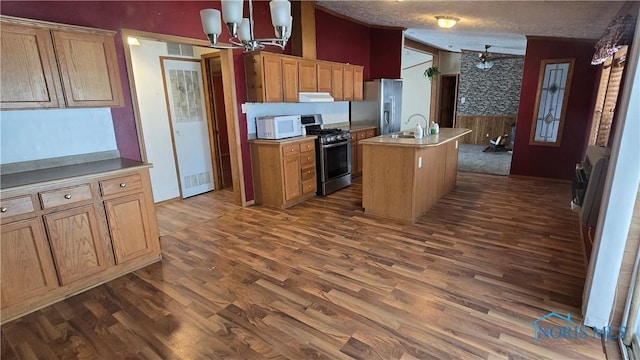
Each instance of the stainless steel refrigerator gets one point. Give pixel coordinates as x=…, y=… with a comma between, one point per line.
x=381, y=105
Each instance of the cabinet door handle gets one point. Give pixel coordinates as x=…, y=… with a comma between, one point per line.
x=123, y=185
x=3, y=209
x=68, y=196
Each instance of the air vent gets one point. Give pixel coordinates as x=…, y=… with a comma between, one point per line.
x=196, y=179
x=180, y=49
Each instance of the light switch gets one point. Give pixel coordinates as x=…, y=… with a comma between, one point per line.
x=463, y=100
x=419, y=162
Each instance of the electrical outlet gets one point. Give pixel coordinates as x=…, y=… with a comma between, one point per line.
x=419, y=162
x=487, y=134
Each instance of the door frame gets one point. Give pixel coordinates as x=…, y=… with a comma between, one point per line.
x=230, y=101
x=170, y=118
x=434, y=109
x=210, y=105
x=455, y=96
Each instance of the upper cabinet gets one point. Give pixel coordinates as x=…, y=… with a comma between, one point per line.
x=308, y=77
x=29, y=75
x=88, y=68
x=46, y=65
x=279, y=78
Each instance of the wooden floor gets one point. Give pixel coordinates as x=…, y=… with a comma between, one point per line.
x=323, y=281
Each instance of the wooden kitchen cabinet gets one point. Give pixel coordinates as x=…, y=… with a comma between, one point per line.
x=323, y=71
x=358, y=84
x=336, y=82
x=308, y=77
x=27, y=265
x=347, y=83
x=356, y=149
x=84, y=230
x=29, y=75
x=279, y=78
x=290, y=79
x=76, y=243
x=88, y=68
x=48, y=65
x=284, y=171
x=291, y=177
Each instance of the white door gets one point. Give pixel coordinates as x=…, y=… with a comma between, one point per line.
x=183, y=84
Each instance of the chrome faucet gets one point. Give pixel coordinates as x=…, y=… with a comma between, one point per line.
x=426, y=122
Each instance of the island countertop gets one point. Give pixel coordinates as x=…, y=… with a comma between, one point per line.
x=403, y=177
x=445, y=135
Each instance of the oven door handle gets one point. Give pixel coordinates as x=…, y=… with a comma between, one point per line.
x=328, y=146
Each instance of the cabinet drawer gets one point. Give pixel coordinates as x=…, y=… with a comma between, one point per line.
x=308, y=173
x=307, y=158
x=307, y=146
x=121, y=185
x=370, y=133
x=354, y=136
x=65, y=196
x=362, y=135
x=16, y=206
x=291, y=149
x=309, y=186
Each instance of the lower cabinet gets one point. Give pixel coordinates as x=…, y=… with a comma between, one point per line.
x=284, y=171
x=82, y=233
x=129, y=227
x=356, y=149
x=77, y=246
x=27, y=265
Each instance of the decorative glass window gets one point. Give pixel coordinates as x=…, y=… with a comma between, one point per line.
x=551, y=101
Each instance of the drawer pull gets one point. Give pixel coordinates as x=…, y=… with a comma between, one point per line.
x=3, y=209
x=68, y=196
x=292, y=150
x=123, y=185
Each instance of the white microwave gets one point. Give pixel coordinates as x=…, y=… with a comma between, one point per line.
x=278, y=126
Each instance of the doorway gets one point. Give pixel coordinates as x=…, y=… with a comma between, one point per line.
x=188, y=123
x=152, y=121
x=448, y=100
x=215, y=93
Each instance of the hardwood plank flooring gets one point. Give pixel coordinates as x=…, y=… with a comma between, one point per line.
x=323, y=281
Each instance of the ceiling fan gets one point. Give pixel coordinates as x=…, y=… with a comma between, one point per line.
x=486, y=58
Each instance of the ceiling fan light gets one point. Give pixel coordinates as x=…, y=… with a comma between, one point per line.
x=447, y=22
x=484, y=65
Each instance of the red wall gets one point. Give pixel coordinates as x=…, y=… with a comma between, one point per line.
x=165, y=17
x=386, y=53
x=342, y=41
x=550, y=161
x=338, y=40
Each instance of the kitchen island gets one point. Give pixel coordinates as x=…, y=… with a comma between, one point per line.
x=403, y=177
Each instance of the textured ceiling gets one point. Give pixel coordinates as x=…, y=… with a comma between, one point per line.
x=502, y=24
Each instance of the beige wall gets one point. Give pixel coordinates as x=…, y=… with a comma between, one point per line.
x=450, y=62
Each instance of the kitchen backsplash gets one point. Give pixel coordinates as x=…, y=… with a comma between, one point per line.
x=494, y=91
x=27, y=135
x=332, y=112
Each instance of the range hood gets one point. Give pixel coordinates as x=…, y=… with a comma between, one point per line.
x=315, y=97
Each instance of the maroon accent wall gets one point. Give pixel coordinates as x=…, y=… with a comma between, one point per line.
x=341, y=40
x=338, y=40
x=386, y=53
x=180, y=18
x=550, y=161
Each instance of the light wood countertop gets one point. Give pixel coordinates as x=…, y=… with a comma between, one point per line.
x=445, y=135
x=283, y=141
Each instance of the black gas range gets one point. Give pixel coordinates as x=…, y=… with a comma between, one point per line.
x=333, y=157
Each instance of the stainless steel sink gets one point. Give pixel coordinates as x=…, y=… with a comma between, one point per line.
x=403, y=135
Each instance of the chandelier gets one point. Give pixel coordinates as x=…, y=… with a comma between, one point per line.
x=241, y=29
